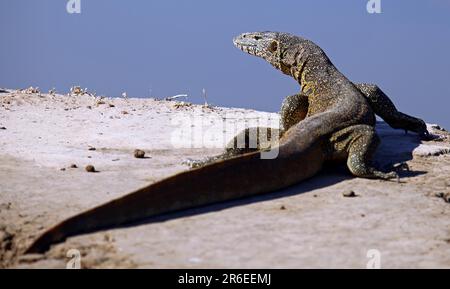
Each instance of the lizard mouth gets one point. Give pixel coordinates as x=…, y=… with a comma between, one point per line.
x=246, y=47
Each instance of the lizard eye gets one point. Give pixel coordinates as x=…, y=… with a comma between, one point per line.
x=273, y=46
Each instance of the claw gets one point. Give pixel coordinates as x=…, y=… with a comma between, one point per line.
x=400, y=167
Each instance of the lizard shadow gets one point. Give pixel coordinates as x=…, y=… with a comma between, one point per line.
x=396, y=147
x=325, y=178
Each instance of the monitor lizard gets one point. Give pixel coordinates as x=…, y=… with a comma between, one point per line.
x=331, y=119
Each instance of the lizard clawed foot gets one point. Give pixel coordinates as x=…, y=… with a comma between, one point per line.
x=386, y=176
x=426, y=136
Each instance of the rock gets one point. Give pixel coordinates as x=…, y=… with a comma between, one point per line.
x=139, y=154
x=349, y=194
x=90, y=169
x=437, y=127
x=445, y=196
x=427, y=150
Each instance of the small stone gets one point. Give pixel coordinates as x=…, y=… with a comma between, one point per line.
x=73, y=166
x=3, y=128
x=438, y=127
x=124, y=112
x=446, y=197
x=62, y=169
x=439, y=195
x=283, y=208
x=111, y=105
x=89, y=107
x=90, y=169
x=349, y=194
x=139, y=154
x=92, y=149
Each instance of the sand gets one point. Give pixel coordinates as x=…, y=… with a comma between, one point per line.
x=310, y=225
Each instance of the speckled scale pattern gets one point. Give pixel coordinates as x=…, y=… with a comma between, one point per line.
x=350, y=129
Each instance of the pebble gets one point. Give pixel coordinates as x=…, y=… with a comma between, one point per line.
x=90, y=169
x=139, y=154
x=349, y=194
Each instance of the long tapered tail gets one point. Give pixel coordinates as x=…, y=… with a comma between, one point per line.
x=234, y=178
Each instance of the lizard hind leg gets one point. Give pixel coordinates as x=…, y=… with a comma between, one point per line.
x=385, y=108
x=363, y=142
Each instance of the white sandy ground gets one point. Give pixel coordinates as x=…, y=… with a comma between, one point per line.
x=309, y=225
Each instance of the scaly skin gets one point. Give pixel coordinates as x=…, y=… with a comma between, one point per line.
x=337, y=124
x=295, y=108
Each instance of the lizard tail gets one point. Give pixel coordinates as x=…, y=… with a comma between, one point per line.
x=234, y=178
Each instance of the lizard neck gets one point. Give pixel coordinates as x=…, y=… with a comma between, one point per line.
x=313, y=75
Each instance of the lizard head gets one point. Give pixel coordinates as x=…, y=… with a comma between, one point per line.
x=279, y=49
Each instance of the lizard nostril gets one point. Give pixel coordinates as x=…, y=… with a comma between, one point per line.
x=257, y=37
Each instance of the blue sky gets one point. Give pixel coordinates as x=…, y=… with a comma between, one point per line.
x=172, y=47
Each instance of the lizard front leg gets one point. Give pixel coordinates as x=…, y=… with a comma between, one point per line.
x=293, y=109
x=385, y=108
x=359, y=143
